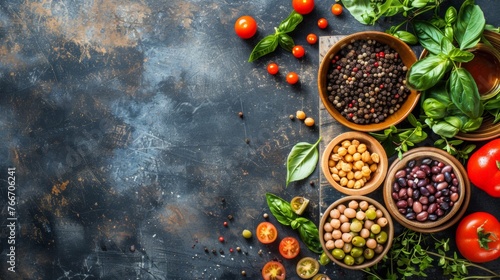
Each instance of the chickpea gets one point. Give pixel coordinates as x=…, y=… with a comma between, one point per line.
x=360, y=215
x=353, y=204
x=309, y=121
x=343, y=218
x=347, y=247
x=327, y=236
x=345, y=227
x=365, y=156
x=341, y=208
x=350, y=175
x=357, y=175
x=347, y=237
x=300, y=115
x=328, y=227
x=358, y=165
x=342, y=151
x=373, y=167
x=330, y=244
x=362, y=148
x=350, y=213
x=335, y=223
x=346, y=143
x=351, y=150
x=339, y=243
x=382, y=221
x=379, y=213
x=371, y=243
x=350, y=184
x=355, y=142
x=365, y=233
x=343, y=181
x=336, y=234
x=356, y=156
x=336, y=177
x=363, y=205
x=375, y=157
x=331, y=163
x=335, y=214
x=348, y=158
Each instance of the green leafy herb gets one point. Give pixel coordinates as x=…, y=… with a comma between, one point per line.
x=283, y=212
x=429, y=36
x=302, y=161
x=269, y=43
x=470, y=25
x=428, y=71
x=464, y=93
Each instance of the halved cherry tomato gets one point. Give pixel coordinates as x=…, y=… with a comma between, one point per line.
x=322, y=23
x=273, y=270
x=312, y=38
x=298, y=51
x=289, y=247
x=299, y=204
x=266, y=232
x=321, y=277
x=307, y=267
x=303, y=7
x=337, y=9
x=273, y=68
x=245, y=27
x=292, y=78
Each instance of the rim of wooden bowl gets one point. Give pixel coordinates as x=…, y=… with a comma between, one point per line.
x=373, y=146
x=406, y=54
x=456, y=212
x=389, y=229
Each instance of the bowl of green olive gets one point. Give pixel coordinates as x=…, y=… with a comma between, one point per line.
x=356, y=232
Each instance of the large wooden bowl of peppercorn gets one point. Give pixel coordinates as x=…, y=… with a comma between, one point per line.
x=362, y=81
x=427, y=190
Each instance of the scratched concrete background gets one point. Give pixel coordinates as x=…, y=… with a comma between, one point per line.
x=121, y=119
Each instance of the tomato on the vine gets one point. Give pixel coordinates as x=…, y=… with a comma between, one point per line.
x=303, y=7
x=273, y=270
x=273, y=68
x=478, y=237
x=289, y=247
x=322, y=23
x=312, y=38
x=337, y=9
x=298, y=51
x=266, y=232
x=245, y=27
x=292, y=78
x=307, y=267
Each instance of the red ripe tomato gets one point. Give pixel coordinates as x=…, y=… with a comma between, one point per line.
x=337, y=9
x=273, y=270
x=292, y=78
x=266, y=232
x=303, y=7
x=322, y=23
x=478, y=237
x=298, y=51
x=312, y=38
x=245, y=27
x=273, y=68
x=289, y=247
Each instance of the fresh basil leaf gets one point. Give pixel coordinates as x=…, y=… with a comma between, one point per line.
x=290, y=23
x=446, y=46
x=448, y=33
x=464, y=93
x=429, y=36
x=460, y=56
x=434, y=109
x=361, y=10
x=438, y=22
x=472, y=124
x=445, y=129
x=309, y=234
x=419, y=3
x=406, y=37
x=470, y=25
x=427, y=72
x=280, y=209
x=267, y=45
x=302, y=161
x=286, y=42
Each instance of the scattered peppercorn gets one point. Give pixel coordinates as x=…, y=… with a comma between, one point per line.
x=240, y=114
x=260, y=252
x=206, y=249
x=225, y=224
x=231, y=250
x=292, y=117
x=132, y=248
x=214, y=251
x=265, y=215
x=221, y=251
x=243, y=273
x=238, y=249
x=311, y=183
x=221, y=239
x=247, y=140
x=230, y=217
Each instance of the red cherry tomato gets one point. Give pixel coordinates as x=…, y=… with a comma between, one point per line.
x=303, y=7
x=289, y=247
x=477, y=237
x=266, y=232
x=298, y=51
x=273, y=270
x=273, y=68
x=322, y=23
x=337, y=9
x=245, y=27
x=312, y=38
x=292, y=78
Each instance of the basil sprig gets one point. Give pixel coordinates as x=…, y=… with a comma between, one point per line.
x=301, y=161
x=283, y=212
x=280, y=37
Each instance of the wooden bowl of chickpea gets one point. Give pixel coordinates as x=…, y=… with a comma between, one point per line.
x=356, y=232
x=354, y=163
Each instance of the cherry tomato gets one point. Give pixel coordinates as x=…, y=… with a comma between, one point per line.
x=303, y=7
x=273, y=270
x=298, y=51
x=289, y=247
x=322, y=23
x=312, y=38
x=478, y=237
x=337, y=9
x=273, y=68
x=307, y=267
x=292, y=78
x=245, y=27
x=266, y=232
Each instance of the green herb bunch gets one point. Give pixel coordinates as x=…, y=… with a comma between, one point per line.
x=411, y=255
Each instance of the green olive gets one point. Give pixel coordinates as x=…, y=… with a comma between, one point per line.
x=347, y=248
x=359, y=260
x=356, y=252
x=381, y=237
x=368, y=253
x=324, y=259
x=359, y=241
x=338, y=253
x=371, y=214
x=349, y=260
x=356, y=226
x=246, y=233
x=375, y=228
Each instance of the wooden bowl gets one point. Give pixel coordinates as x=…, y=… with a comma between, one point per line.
x=406, y=54
x=373, y=146
x=389, y=229
x=457, y=210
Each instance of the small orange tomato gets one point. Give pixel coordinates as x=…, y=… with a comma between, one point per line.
x=292, y=78
x=337, y=9
x=322, y=23
x=298, y=51
x=312, y=38
x=245, y=27
x=273, y=68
